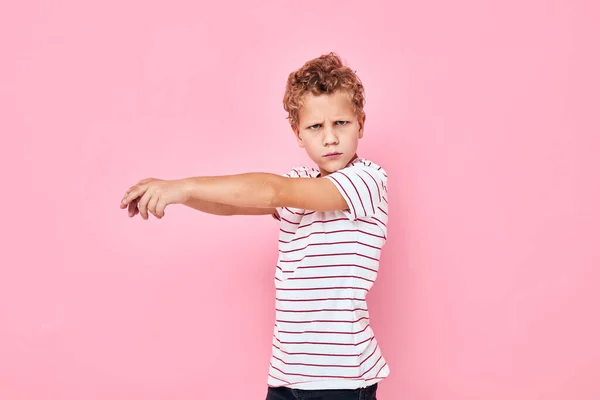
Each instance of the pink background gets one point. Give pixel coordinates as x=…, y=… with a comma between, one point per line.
x=484, y=113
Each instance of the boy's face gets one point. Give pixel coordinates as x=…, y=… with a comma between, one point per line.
x=329, y=130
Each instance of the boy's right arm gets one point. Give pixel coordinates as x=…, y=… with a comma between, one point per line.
x=226, y=209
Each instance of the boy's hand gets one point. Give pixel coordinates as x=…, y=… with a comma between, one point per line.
x=153, y=195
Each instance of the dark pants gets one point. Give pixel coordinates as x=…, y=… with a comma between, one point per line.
x=283, y=393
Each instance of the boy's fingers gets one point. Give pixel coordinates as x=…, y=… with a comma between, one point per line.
x=160, y=208
x=152, y=205
x=133, y=194
x=136, y=199
x=143, y=205
x=124, y=202
x=133, y=208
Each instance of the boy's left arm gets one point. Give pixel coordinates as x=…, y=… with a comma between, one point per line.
x=264, y=190
x=357, y=191
x=261, y=190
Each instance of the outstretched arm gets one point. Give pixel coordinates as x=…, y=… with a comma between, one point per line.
x=225, y=209
x=264, y=190
x=251, y=190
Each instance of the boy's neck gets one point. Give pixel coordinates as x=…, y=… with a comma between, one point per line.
x=323, y=173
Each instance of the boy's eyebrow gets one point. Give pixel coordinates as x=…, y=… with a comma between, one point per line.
x=337, y=118
x=314, y=122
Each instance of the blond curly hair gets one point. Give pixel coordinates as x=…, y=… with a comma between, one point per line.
x=323, y=75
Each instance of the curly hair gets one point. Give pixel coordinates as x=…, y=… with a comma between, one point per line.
x=323, y=75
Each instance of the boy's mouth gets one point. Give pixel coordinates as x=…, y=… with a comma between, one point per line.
x=332, y=154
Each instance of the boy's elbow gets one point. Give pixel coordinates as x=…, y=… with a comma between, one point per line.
x=274, y=191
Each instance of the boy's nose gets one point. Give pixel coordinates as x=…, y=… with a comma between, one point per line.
x=329, y=137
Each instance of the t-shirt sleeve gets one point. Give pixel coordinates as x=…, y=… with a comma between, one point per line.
x=362, y=187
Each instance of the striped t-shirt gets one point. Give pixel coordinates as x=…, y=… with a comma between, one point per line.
x=327, y=263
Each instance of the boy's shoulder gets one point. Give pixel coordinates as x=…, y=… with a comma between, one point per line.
x=367, y=164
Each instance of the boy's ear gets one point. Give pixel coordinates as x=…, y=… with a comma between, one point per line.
x=361, y=123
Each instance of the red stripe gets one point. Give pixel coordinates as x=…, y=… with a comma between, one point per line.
x=279, y=379
x=381, y=222
x=322, y=299
x=370, y=355
x=357, y=193
x=376, y=184
x=326, y=332
x=331, y=255
x=321, y=320
x=317, y=365
x=366, y=221
x=324, y=288
x=326, y=221
x=323, y=309
x=371, y=379
x=324, y=277
x=327, y=343
x=369, y=222
x=323, y=233
x=381, y=170
x=315, y=354
x=317, y=376
x=310, y=376
x=347, y=197
x=330, y=243
x=290, y=222
x=298, y=213
x=370, y=194
x=382, y=367
x=335, y=265
x=373, y=366
x=381, y=209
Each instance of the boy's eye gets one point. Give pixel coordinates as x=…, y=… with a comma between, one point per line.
x=317, y=126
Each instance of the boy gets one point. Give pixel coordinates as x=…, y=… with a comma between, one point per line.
x=332, y=228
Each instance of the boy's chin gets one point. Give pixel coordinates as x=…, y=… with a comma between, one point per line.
x=332, y=166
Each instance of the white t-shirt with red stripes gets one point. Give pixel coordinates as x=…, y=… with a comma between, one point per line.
x=327, y=263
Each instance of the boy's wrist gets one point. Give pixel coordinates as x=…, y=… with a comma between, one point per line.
x=187, y=188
